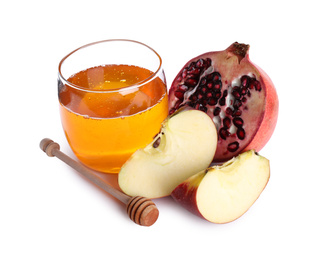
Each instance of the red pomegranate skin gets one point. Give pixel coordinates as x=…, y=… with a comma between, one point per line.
x=237, y=94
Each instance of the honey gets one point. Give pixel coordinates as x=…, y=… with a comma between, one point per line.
x=116, y=110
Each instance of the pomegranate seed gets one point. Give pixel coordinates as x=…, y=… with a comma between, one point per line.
x=191, y=82
x=240, y=133
x=245, y=80
x=236, y=88
x=208, y=62
x=212, y=101
x=254, y=83
x=223, y=133
x=237, y=103
x=179, y=78
x=226, y=122
x=209, y=94
x=179, y=94
x=183, y=88
x=229, y=111
x=222, y=101
x=203, y=102
x=184, y=73
x=208, y=77
x=217, y=86
x=191, y=65
x=200, y=63
x=216, y=76
x=232, y=147
x=236, y=94
x=257, y=86
x=194, y=71
x=200, y=96
x=203, y=81
x=216, y=111
x=238, y=122
x=193, y=97
x=237, y=113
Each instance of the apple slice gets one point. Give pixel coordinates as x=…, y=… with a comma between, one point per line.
x=221, y=194
x=185, y=145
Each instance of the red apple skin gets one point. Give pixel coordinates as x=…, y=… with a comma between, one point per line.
x=186, y=197
x=185, y=193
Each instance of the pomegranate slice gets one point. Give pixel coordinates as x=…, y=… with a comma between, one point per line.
x=239, y=97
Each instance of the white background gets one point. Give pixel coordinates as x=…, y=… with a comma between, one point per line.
x=48, y=211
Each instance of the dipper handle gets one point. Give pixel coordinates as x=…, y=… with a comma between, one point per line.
x=141, y=210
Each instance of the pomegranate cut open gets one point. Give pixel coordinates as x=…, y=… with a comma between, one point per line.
x=238, y=96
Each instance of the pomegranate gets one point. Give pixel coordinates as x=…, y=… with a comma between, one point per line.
x=239, y=97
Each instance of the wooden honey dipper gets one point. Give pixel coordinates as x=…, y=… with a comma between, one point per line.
x=141, y=210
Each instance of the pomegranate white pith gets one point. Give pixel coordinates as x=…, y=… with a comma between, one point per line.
x=238, y=96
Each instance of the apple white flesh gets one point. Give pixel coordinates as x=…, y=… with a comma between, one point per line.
x=223, y=193
x=185, y=145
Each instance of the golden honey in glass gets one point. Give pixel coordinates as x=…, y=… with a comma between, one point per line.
x=113, y=99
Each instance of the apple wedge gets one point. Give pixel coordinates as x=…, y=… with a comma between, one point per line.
x=185, y=145
x=221, y=194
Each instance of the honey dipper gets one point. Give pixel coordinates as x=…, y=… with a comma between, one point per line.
x=141, y=210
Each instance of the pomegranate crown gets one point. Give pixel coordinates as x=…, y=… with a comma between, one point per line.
x=240, y=50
